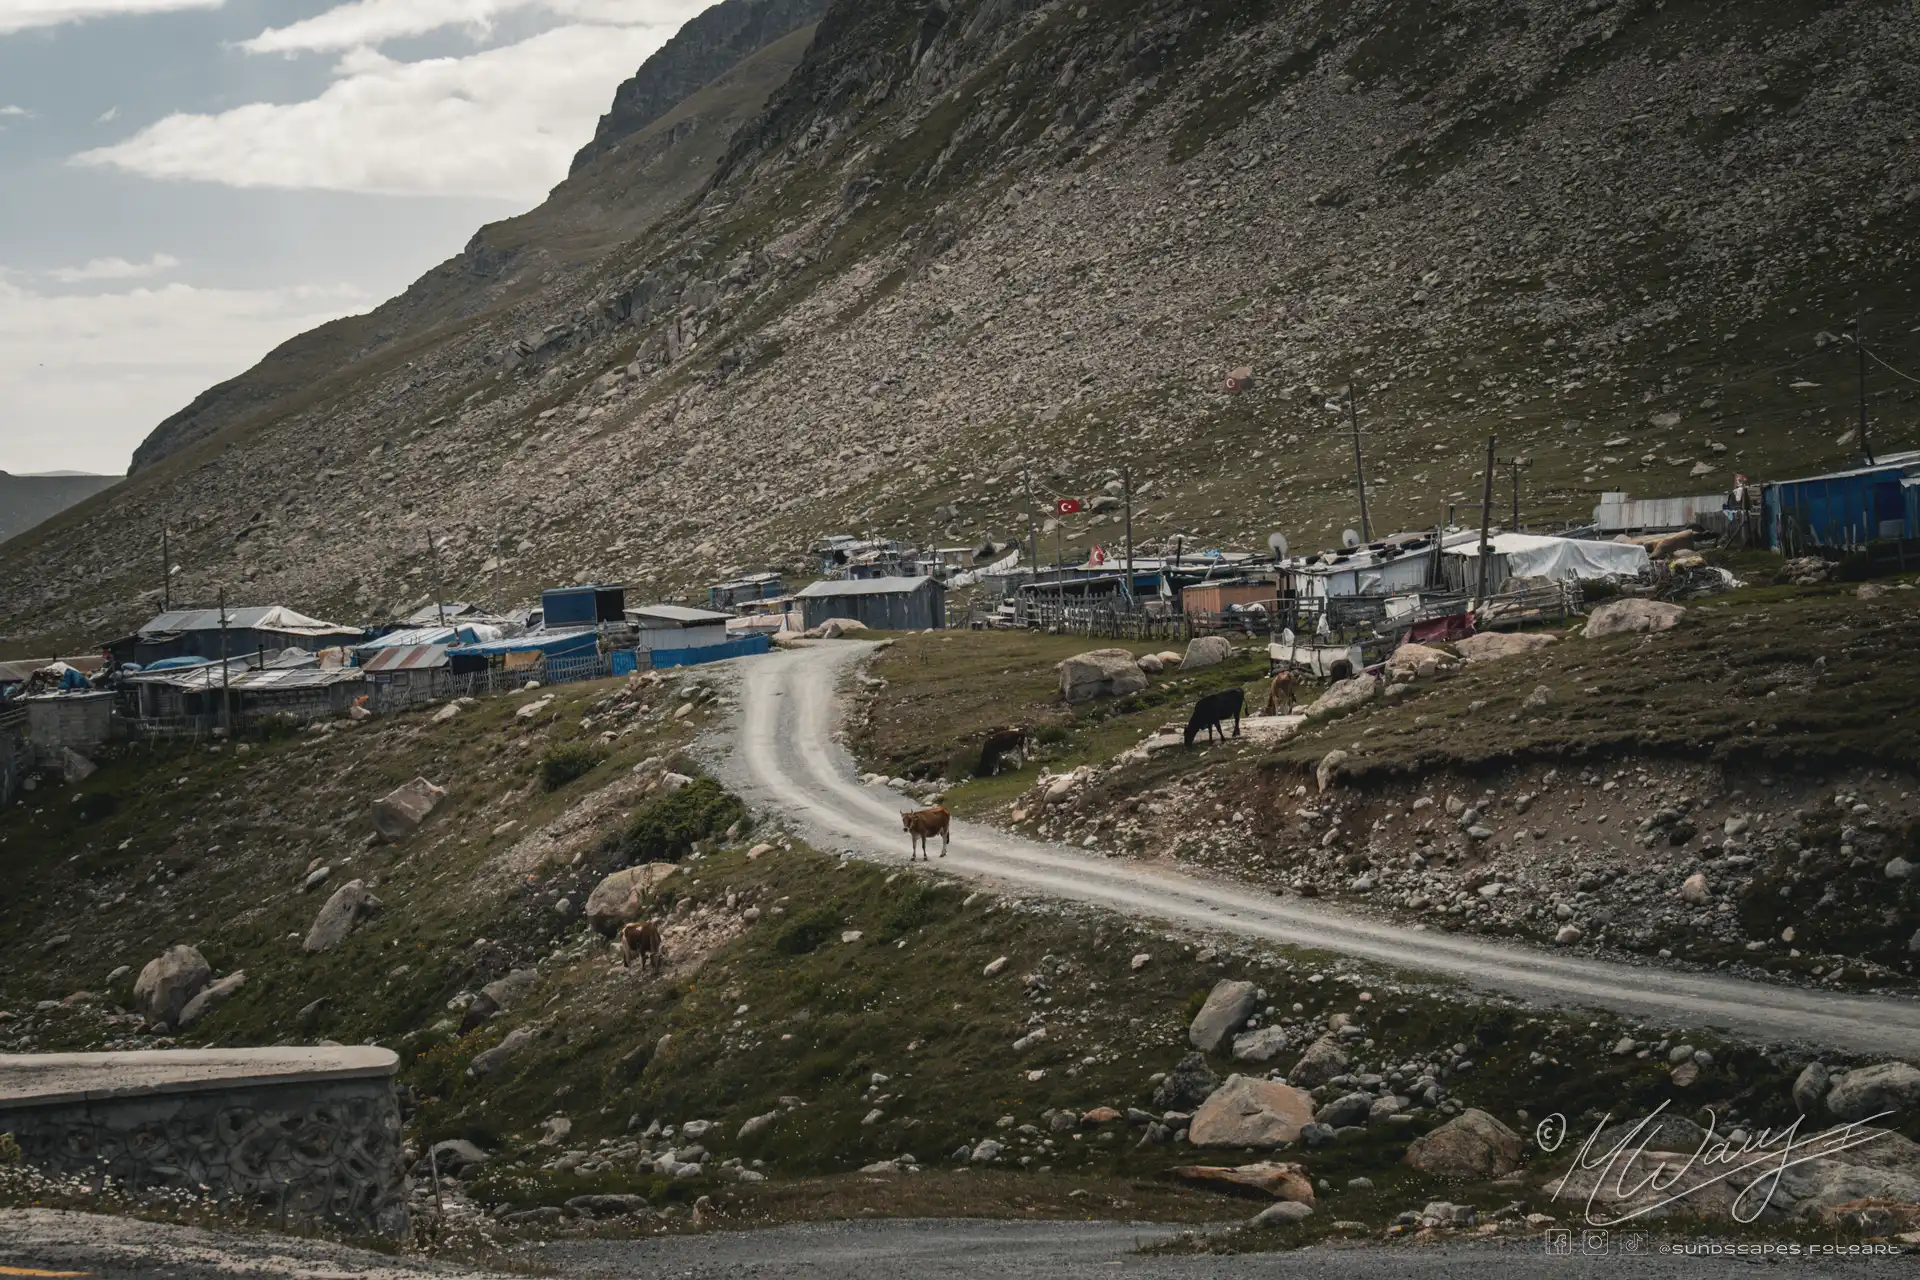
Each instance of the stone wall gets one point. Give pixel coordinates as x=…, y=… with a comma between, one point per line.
x=300, y=1151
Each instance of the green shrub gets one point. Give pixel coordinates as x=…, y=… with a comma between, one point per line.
x=91, y=806
x=566, y=762
x=665, y=828
x=917, y=907
x=1050, y=735
x=808, y=933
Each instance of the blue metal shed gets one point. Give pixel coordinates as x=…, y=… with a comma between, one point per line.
x=1843, y=508
x=582, y=606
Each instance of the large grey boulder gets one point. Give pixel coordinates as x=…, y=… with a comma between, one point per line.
x=1323, y=1060
x=1810, y=1087
x=1345, y=696
x=1100, y=673
x=1206, y=651
x=405, y=807
x=1471, y=1145
x=1229, y=1004
x=169, y=981
x=351, y=903
x=622, y=896
x=493, y=1061
x=1868, y=1091
x=1250, y=1112
x=211, y=997
x=1632, y=616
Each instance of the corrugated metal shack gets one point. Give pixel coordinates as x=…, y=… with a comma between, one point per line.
x=582, y=606
x=878, y=604
x=1844, y=509
x=1619, y=514
x=197, y=633
x=406, y=675
x=189, y=699
x=677, y=626
x=744, y=590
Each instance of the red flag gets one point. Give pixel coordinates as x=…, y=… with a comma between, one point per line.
x=1067, y=507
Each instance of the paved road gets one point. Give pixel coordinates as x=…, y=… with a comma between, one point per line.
x=44, y=1242
x=784, y=756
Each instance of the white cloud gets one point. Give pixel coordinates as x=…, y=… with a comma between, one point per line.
x=372, y=22
x=115, y=269
x=23, y=15
x=86, y=376
x=503, y=122
x=108, y=116
x=11, y=110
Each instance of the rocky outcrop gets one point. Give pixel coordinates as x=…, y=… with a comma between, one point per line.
x=1471, y=1145
x=1345, y=696
x=623, y=896
x=1885, y=1088
x=1283, y=1181
x=405, y=807
x=1631, y=616
x=351, y=903
x=1250, y=1112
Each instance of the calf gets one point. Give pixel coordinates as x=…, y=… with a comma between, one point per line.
x=1210, y=711
x=998, y=743
x=921, y=826
x=641, y=938
x=1282, y=687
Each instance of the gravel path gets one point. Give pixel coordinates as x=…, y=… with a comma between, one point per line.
x=784, y=756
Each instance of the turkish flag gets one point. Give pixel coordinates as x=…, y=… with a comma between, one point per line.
x=1067, y=507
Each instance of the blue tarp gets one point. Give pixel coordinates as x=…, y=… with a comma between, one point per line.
x=554, y=644
x=170, y=664
x=745, y=646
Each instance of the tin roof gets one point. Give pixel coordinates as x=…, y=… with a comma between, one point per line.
x=864, y=587
x=406, y=657
x=677, y=613
x=207, y=676
x=251, y=618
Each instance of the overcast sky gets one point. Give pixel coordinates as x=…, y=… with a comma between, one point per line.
x=186, y=183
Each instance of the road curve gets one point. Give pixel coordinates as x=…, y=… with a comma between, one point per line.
x=785, y=757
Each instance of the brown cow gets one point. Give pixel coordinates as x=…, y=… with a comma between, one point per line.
x=1282, y=687
x=641, y=938
x=921, y=826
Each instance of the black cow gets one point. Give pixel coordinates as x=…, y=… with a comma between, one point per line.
x=1210, y=711
x=998, y=744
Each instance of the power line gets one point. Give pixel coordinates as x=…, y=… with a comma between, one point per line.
x=1889, y=368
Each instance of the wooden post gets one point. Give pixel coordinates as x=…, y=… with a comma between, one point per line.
x=1126, y=481
x=226, y=687
x=166, y=567
x=1359, y=470
x=1486, y=517
x=1033, y=530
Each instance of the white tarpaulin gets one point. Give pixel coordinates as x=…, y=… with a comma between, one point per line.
x=1533, y=556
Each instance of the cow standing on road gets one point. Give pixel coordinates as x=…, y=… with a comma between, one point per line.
x=921, y=826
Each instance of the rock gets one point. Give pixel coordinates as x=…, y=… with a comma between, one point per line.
x=1347, y=1109
x=503, y=993
x=453, y=1157
x=1228, y=1005
x=758, y=1124
x=1540, y=699
x=1323, y=1060
x=1680, y=1053
x=1100, y=673
x=986, y=1151
x=1329, y=768
x=555, y=1130
x=1317, y=1134
x=1206, y=651
x=1695, y=889
x=671, y=781
x=1632, y=616
x=1471, y=1145
x=1150, y=663
x=1284, y=1214
x=1263, y=1045
x=74, y=767
x=1100, y=1115
x=1868, y=1091
x=1344, y=696
x=1168, y=658
x=1139, y=962
x=211, y=997
x=1418, y=659
x=492, y=1061
x=405, y=807
x=315, y=879
x=1898, y=868
x=1568, y=935
x=994, y=966
x=1283, y=1181
x=351, y=903
x=1869, y=591
x=623, y=896
x=1187, y=1085
x=607, y=1205
x=1491, y=646
x=1684, y=1075
x=1807, y=571
x=1250, y=1112
x=168, y=982
x=694, y=1130
x=1810, y=1087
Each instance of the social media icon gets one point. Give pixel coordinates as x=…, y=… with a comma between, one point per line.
x=1593, y=1242
x=1632, y=1244
x=1559, y=1242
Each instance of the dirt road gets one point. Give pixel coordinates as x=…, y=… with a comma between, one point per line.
x=784, y=756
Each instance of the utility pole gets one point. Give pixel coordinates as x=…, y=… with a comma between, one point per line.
x=1513, y=466
x=1033, y=531
x=1486, y=518
x=1359, y=470
x=226, y=685
x=1860, y=354
x=439, y=596
x=166, y=567
x=1126, y=482
x=499, y=569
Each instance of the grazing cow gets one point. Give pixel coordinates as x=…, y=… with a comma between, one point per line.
x=1282, y=687
x=921, y=826
x=998, y=743
x=1210, y=711
x=641, y=938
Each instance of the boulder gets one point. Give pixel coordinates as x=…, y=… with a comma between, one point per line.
x=1150, y=663
x=1250, y=1112
x=621, y=897
x=1347, y=1109
x=1263, y=1045
x=1284, y=1214
x=1632, y=616
x=493, y=1061
x=504, y=993
x=1187, y=1085
x=607, y=1205
x=351, y=903
x=1282, y=1181
x=1491, y=646
x=1695, y=889
x=1323, y=1060
x=1869, y=1091
x=405, y=807
x=1100, y=673
x=1344, y=696
x=1329, y=768
x=1229, y=1004
x=1206, y=651
x=1412, y=658
x=169, y=981
x=1471, y=1145
x=1168, y=658
x=1810, y=1087
x=756, y=1125
x=211, y=997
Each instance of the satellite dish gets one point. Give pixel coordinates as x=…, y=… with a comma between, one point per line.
x=1277, y=543
x=1349, y=539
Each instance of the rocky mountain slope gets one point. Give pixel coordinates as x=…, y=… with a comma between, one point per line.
x=964, y=238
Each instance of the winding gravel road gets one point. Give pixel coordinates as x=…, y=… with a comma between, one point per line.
x=785, y=757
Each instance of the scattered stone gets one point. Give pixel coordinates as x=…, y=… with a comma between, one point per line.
x=350, y=904
x=1810, y=1087
x=1328, y=769
x=1263, y=1045
x=1344, y=696
x=1323, y=1060
x=492, y=1061
x=1140, y=962
x=994, y=966
x=405, y=807
x=168, y=983
x=1695, y=889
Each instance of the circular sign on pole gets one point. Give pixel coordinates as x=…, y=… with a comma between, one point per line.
x=1067, y=507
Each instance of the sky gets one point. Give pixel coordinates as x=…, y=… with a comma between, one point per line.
x=184, y=184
